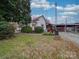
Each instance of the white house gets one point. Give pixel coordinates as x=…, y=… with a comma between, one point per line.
x=39, y=21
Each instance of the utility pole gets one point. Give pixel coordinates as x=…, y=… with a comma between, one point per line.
x=56, y=31
x=55, y=13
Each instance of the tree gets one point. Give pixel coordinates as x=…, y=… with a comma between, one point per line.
x=6, y=10
x=23, y=11
x=6, y=30
x=15, y=10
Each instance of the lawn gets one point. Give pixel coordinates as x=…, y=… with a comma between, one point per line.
x=37, y=46
x=14, y=48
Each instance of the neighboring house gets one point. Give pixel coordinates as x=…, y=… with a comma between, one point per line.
x=39, y=22
x=16, y=26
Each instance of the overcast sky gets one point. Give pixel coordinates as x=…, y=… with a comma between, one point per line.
x=66, y=9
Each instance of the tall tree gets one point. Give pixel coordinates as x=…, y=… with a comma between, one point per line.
x=6, y=10
x=15, y=10
x=23, y=11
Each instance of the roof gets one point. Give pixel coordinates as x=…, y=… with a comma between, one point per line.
x=37, y=19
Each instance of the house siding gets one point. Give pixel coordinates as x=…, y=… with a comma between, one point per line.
x=41, y=22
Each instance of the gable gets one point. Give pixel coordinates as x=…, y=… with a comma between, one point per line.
x=39, y=18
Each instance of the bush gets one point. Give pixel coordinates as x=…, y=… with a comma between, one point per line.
x=26, y=29
x=39, y=30
x=6, y=30
x=48, y=33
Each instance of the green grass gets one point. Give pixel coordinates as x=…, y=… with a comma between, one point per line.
x=35, y=46
x=14, y=46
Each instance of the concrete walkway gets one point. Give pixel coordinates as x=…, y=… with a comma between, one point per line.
x=70, y=36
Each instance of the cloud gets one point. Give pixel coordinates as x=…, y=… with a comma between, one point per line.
x=49, y=18
x=69, y=13
x=72, y=7
x=60, y=8
x=69, y=9
x=60, y=19
x=41, y=4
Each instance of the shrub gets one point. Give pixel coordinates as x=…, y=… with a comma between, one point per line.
x=6, y=30
x=39, y=30
x=26, y=29
x=48, y=33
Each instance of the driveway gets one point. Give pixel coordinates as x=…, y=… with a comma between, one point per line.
x=70, y=36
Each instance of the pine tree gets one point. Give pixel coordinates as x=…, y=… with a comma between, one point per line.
x=15, y=10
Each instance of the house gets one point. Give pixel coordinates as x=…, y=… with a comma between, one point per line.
x=39, y=22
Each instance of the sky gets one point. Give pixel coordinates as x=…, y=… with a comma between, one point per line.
x=66, y=10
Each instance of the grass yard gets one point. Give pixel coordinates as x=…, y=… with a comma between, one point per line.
x=37, y=46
